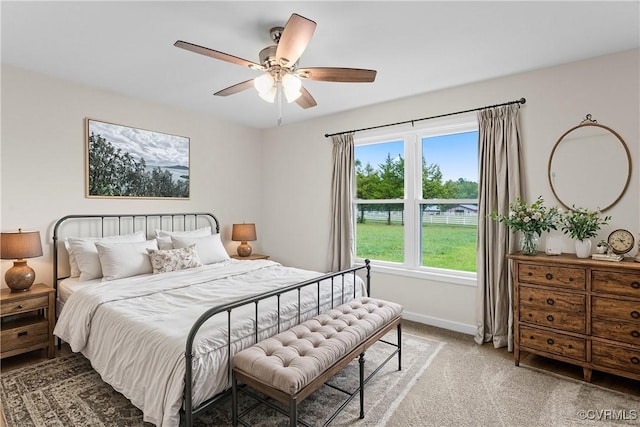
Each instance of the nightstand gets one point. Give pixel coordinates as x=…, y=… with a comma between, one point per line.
x=27, y=320
x=250, y=257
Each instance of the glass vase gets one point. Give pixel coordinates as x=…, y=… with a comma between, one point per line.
x=529, y=243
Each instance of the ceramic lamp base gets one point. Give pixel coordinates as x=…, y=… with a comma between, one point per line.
x=244, y=249
x=20, y=277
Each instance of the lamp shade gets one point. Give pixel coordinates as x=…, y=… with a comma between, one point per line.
x=19, y=245
x=243, y=232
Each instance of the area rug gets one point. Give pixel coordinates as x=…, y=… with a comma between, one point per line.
x=67, y=392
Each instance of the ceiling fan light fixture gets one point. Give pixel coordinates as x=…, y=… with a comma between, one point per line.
x=291, y=86
x=269, y=95
x=264, y=83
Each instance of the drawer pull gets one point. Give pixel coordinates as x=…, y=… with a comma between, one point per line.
x=635, y=360
x=550, y=341
x=635, y=314
x=549, y=276
x=635, y=285
x=550, y=301
x=550, y=318
x=23, y=334
x=570, y=346
x=20, y=306
x=635, y=334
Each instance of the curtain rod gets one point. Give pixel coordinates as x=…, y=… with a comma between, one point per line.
x=519, y=101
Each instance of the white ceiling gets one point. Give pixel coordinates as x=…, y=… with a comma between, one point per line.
x=417, y=46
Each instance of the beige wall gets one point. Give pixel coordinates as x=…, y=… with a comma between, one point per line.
x=284, y=186
x=558, y=98
x=43, y=158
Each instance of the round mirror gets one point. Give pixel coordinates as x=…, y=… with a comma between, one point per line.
x=589, y=167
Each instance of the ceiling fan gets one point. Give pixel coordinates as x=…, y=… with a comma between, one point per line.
x=280, y=65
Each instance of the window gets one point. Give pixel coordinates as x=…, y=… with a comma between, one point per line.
x=416, y=197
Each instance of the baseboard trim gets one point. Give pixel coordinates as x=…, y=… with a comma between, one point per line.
x=440, y=323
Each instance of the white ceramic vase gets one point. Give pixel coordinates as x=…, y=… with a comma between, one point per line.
x=583, y=248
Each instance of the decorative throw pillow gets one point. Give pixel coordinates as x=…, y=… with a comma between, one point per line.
x=83, y=254
x=163, y=261
x=210, y=248
x=120, y=260
x=164, y=237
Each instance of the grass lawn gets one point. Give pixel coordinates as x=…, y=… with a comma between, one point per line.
x=443, y=246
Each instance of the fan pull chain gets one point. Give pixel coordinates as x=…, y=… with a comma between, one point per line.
x=279, y=94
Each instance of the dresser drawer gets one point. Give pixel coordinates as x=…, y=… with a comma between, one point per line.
x=616, y=283
x=552, y=343
x=545, y=299
x=553, y=318
x=620, y=331
x=24, y=305
x=25, y=335
x=561, y=277
x=613, y=309
x=615, y=357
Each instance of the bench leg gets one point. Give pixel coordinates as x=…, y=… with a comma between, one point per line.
x=399, y=346
x=293, y=412
x=234, y=401
x=361, y=363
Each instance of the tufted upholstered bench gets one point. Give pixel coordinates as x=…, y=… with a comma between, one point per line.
x=291, y=365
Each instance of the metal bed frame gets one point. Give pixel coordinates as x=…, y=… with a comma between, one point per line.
x=188, y=221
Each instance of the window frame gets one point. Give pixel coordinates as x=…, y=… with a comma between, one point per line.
x=412, y=142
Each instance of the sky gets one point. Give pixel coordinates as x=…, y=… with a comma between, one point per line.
x=456, y=154
x=158, y=149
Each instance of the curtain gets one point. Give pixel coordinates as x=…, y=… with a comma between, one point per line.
x=341, y=230
x=500, y=182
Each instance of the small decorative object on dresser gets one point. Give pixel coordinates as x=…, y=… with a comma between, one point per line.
x=582, y=224
x=579, y=311
x=620, y=241
x=19, y=246
x=27, y=320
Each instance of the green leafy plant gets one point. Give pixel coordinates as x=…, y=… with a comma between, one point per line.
x=534, y=218
x=582, y=223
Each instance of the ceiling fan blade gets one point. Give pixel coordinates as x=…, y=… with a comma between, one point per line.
x=294, y=39
x=235, y=88
x=217, y=55
x=329, y=74
x=306, y=100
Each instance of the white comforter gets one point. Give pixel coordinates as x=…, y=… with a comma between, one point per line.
x=134, y=330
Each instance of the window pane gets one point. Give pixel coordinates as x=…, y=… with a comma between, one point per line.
x=450, y=166
x=380, y=231
x=449, y=235
x=380, y=171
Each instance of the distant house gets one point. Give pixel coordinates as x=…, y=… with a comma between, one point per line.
x=462, y=210
x=431, y=209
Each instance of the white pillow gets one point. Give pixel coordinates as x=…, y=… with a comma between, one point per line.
x=209, y=248
x=125, y=259
x=164, y=261
x=83, y=255
x=164, y=237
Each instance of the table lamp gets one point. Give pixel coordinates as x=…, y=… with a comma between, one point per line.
x=243, y=233
x=18, y=246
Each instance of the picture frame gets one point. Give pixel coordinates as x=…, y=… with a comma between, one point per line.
x=128, y=162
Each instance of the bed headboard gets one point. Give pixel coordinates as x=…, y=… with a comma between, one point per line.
x=118, y=224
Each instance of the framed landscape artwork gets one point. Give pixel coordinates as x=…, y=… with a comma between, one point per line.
x=128, y=162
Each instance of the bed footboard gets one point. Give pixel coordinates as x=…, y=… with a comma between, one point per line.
x=189, y=411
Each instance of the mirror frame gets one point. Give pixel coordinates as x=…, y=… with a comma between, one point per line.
x=589, y=122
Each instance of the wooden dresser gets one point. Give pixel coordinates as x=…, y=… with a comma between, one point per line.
x=579, y=311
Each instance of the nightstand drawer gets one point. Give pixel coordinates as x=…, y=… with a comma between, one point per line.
x=561, y=277
x=616, y=357
x=24, y=335
x=24, y=305
x=616, y=283
x=552, y=343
